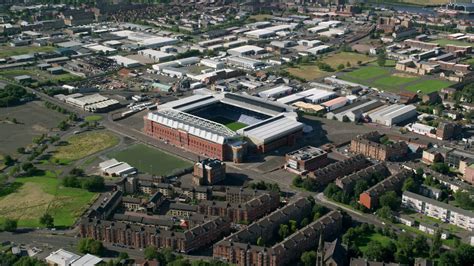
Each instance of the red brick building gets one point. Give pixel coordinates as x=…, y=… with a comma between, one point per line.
x=208, y=172
x=370, y=197
x=369, y=145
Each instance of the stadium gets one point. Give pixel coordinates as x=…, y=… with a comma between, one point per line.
x=225, y=126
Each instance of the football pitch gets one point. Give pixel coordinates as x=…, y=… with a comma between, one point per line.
x=150, y=160
x=231, y=124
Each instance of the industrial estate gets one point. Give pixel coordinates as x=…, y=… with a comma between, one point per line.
x=250, y=133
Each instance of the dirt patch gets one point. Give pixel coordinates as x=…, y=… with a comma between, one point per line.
x=403, y=75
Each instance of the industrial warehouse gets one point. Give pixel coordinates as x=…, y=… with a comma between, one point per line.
x=224, y=126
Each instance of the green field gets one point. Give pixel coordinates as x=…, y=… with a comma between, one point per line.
x=363, y=240
x=84, y=144
x=428, y=86
x=6, y=51
x=39, y=75
x=44, y=194
x=393, y=81
x=232, y=125
x=334, y=60
x=383, y=78
x=368, y=72
x=444, y=42
x=150, y=160
x=93, y=118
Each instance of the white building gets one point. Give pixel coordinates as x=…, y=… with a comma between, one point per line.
x=276, y=92
x=125, y=61
x=245, y=62
x=61, y=257
x=157, y=56
x=113, y=167
x=439, y=210
x=87, y=260
x=393, y=114
x=246, y=50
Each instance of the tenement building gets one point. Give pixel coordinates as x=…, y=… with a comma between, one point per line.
x=339, y=169
x=246, y=212
x=241, y=249
x=439, y=210
x=348, y=182
x=369, y=145
x=208, y=172
x=134, y=235
x=370, y=197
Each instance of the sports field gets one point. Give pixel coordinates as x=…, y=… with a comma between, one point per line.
x=150, y=160
x=6, y=51
x=428, y=86
x=444, y=42
x=386, y=78
x=85, y=144
x=44, y=194
x=368, y=72
x=232, y=125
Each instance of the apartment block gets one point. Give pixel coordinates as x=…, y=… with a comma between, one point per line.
x=369, y=145
x=339, y=169
x=348, y=182
x=439, y=210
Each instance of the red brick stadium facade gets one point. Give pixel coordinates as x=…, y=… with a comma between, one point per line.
x=185, y=140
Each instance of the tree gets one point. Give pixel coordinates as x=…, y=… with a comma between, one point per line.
x=340, y=67
x=297, y=181
x=391, y=200
x=47, y=220
x=10, y=225
x=283, y=231
x=293, y=226
x=420, y=246
x=381, y=58
x=304, y=222
x=260, y=241
x=123, y=256
x=8, y=160
x=76, y=172
x=374, y=251
x=151, y=253
x=89, y=245
x=360, y=186
x=463, y=198
x=436, y=245
x=21, y=150
x=440, y=168
x=308, y=258
x=310, y=184
x=29, y=261
x=93, y=183
x=385, y=212
x=409, y=185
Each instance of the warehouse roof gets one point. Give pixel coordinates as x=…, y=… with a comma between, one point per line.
x=271, y=129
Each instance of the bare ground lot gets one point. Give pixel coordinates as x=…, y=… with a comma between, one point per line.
x=33, y=120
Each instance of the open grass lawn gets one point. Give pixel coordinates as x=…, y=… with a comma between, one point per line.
x=428, y=86
x=150, y=160
x=368, y=72
x=335, y=60
x=444, y=42
x=6, y=51
x=232, y=125
x=363, y=240
x=393, y=81
x=261, y=17
x=85, y=144
x=44, y=194
x=308, y=72
x=93, y=118
x=39, y=75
